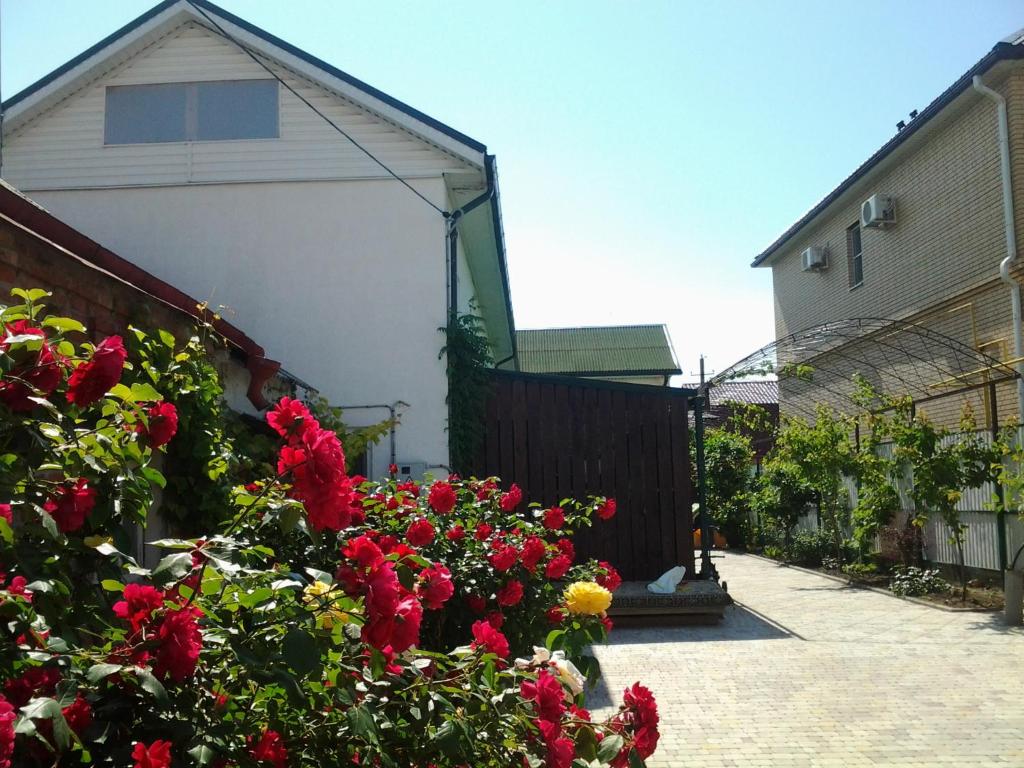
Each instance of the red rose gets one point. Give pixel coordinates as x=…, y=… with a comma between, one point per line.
x=557, y=567
x=556, y=614
x=606, y=509
x=7, y=717
x=566, y=548
x=640, y=713
x=270, y=750
x=289, y=418
x=455, y=533
x=554, y=518
x=381, y=591
x=180, y=644
x=510, y=500
x=608, y=625
x=392, y=469
x=547, y=695
x=442, y=498
x=420, y=532
x=34, y=681
x=78, y=714
x=94, y=378
x=138, y=604
x=532, y=552
x=435, y=586
x=476, y=604
x=6, y=513
x=38, y=372
x=70, y=505
x=510, y=594
x=611, y=580
x=162, y=423
x=156, y=755
x=488, y=638
x=400, y=631
x=496, y=619
x=483, y=530
x=364, y=551
x=503, y=557
x=561, y=749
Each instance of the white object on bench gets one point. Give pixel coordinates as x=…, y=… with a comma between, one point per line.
x=668, y=581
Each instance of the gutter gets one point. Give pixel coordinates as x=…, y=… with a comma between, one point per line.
x=39, y=221
x=1010, y=234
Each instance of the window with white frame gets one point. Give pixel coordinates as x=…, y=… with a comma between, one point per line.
x=220, y=110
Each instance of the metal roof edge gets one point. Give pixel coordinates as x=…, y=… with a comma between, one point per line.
x=551, y=378
x=1002, y=51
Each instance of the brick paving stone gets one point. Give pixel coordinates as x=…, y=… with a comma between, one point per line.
x=806, y=671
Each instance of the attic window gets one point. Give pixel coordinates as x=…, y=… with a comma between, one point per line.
x=207, y=111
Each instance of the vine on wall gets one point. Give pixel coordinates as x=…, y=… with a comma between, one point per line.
x=469, y=359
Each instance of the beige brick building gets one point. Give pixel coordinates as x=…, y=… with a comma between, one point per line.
x=938, y=264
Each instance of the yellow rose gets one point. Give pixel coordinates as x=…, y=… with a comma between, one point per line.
x=320, y=597
x=587, y=597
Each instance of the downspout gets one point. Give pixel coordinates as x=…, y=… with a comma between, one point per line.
x=1011, y=237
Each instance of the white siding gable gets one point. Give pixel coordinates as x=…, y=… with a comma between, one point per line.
x=63, y=147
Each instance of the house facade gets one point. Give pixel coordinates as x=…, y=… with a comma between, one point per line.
x=928, y=249
x=630, y=354
x=316, y=210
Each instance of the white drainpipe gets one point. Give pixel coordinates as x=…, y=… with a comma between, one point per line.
x=1011, y=238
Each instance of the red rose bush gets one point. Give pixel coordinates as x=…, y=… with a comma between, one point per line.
x=330, y=621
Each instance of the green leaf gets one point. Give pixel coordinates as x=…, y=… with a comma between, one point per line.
x=99, y=672
x=112, y=585
x=202, y=754
x=173, y=567
x=65, y=324
x=166, y=338
x=322, y=576
x=142, y=392
x=33, y=294
x=363, y=725
x=609, y=747
x=173, y=544
x=154, y=476
x=121, y=392
x=151, y=685
x=300, y=652
x=5, y=531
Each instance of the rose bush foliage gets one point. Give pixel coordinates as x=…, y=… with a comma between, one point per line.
x=331, y=621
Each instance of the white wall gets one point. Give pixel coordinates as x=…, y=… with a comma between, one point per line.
x=343, y=282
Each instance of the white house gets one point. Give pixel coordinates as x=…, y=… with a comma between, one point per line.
x=189, y=142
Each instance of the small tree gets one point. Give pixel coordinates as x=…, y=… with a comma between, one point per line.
x=781, y=494
x=727, y=460
x=823, y=452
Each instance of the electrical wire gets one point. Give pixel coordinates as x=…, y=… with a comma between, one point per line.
x=245, y=49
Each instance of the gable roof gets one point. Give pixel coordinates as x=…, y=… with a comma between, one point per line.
x=752, y=392
x=170, y=13
x=624, y=350
x=1010, y=49
x=482, y=228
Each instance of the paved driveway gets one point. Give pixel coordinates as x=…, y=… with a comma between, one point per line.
x=805, y=671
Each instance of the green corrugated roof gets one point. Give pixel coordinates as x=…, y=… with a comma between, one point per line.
x=621, y=350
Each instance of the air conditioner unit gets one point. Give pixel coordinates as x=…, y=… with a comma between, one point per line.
x=878, y=211
x=814, y=259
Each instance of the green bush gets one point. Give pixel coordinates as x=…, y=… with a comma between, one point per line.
x=914, y=582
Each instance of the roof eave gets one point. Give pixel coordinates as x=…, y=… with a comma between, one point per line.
x=1001, y=52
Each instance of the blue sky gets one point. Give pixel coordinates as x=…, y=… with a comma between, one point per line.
x=647, y=150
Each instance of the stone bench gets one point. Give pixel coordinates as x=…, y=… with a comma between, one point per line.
x=693, y=602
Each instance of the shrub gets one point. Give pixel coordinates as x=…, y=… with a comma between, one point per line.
x=912, y=581
x=327, y=623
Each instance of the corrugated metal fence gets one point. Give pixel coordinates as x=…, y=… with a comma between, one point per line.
x=981, y=543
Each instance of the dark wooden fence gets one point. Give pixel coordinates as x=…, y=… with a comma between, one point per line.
x=561, y=437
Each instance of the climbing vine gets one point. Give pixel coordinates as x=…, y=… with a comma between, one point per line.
x=468, y=352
